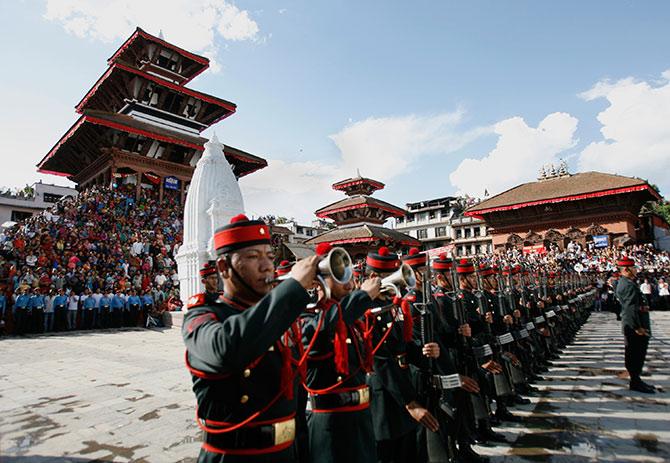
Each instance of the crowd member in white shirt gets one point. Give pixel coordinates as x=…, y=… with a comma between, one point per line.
x=72, y=307
x=49, y=310
x=664, y=294
x=645, y=288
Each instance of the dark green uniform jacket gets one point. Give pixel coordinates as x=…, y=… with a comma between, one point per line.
x=630, y=298
x=234, y=354
x=343, y=435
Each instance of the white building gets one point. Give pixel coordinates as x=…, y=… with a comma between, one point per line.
x=15, y=207
x=429, y=221
x=302, y=233
x=470, y=236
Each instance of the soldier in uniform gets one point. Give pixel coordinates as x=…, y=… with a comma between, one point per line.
x=636, y=326
x=396, y=408
x=210, y=280
x=244, y=352
x=339, y=423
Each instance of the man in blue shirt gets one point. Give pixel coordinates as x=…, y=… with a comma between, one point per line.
x=3, y=302
x=60, y=310
x=147, y=306
x=118, y=305
x=104, y=314
x=36, y=306
x=134, y=303
x=21, y=310
x=88, y=306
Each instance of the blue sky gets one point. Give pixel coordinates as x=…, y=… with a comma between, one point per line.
x=433, y=98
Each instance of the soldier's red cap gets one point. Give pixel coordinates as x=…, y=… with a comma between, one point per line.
x=323, y=248
x=442, y=263
x=383, y=261
x=284, y=267
x=241, y=233
x=415, y=258
x=209, y=268
x=625, y=261
x=485, y=270
x=465, y=267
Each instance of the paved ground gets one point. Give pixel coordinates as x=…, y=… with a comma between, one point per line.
x=125, y=396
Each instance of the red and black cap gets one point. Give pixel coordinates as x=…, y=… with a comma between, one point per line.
x=625, y=261
x=465, y=267
x=284, y=267
x=485, y=270
x=383, y=261
x=322, y=249
x=415, y=259
x=516, y=269
x=442, y=263
x=209, y=268
x=241, y=233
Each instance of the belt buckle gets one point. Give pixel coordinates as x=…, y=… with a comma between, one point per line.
x=364, y=395
x=284, y=431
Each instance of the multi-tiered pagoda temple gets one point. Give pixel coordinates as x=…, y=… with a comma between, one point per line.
x=360, y=220
x=140, y=125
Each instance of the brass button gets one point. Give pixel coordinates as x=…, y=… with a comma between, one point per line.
x=244, y=399
x=348, y=341
x=339, y=378
x=247, y=373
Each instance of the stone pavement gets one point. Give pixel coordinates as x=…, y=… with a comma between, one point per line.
x=125, y=396
x=584, y=410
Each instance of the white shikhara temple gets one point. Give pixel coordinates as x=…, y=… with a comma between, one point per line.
x=212, y=200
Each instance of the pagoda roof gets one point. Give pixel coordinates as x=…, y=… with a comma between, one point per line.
x=79, y=146
x=359, y=202
x=121, y=69
x=343, y=185
x=198, y=63
x=363, y=234
x=559, y=189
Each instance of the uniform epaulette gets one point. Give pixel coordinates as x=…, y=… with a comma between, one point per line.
x=196, y=300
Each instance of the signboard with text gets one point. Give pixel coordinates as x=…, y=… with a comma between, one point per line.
x=171, y=183
x=601, y=241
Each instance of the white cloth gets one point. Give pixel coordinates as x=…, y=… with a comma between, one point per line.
x=73, y=302
x=645, y=288
x=663, y=289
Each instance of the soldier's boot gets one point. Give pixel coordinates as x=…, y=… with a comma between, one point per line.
x=467, y=455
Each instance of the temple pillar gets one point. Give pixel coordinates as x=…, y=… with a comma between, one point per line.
x=160, y=189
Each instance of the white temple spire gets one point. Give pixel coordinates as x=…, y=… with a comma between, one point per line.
x=213, y=198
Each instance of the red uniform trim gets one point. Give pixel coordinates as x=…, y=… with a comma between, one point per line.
x=273, y=449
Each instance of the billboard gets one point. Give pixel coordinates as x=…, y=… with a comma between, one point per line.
x=601, y=241
x=171, y=183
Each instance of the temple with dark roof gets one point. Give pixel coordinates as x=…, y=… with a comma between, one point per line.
x=360, y=220
x=560, y=207
x=140, y=124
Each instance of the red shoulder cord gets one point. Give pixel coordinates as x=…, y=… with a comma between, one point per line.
x=408, y=321
x=340, y=345
x=287, y=376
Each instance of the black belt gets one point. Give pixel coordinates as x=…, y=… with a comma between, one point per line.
x=336, y=400
x=254, y=437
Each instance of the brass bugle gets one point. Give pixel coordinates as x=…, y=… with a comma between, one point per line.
x=336, y=264
x=402, y=278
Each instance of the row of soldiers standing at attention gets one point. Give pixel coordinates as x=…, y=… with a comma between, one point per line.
x=408, y=360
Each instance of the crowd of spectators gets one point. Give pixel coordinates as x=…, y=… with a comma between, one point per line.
x=104, y=259
x=653, y=269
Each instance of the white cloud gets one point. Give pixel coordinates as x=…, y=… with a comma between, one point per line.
x=289, y=189
x=382, y=148
x=519, y=153
x=191, y=24
x=385, y=147
x=635, y=129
